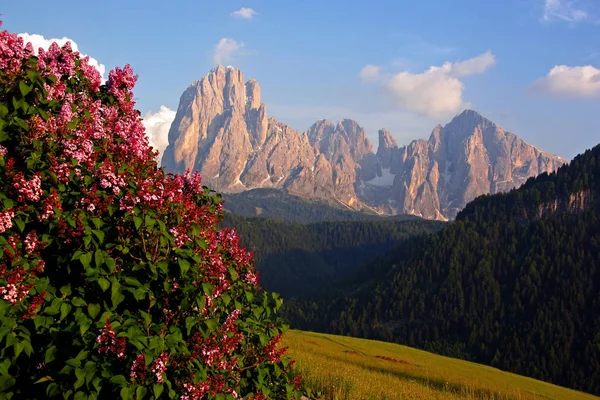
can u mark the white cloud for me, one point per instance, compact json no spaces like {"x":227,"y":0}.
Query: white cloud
{"x":563,"y":10}
{"x":38,"y":41}
{"x":225,"y":50}
{"x":245,"y":13}
{"x":573,"y":82}
{"x":370,"y":72}
{"x":438,"y":91}
{"x":475,"y":65}
{"x":157,"y":128}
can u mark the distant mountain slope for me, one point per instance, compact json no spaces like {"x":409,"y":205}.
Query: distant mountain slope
{"x":514,"y":282}
{"x":468,"y":157}
{"x":297,"y":260}
{"x":279,"y":205}
{"x":222,"y":130}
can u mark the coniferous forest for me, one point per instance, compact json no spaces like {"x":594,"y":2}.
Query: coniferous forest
{"x":298,"y":260}
{"x":514,"y":282}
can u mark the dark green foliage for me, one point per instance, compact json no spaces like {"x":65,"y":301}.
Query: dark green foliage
{"x":298,"y":260}
{"x":514,"y":283}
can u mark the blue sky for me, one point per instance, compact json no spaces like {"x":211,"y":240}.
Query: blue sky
{"x":531,"y":66}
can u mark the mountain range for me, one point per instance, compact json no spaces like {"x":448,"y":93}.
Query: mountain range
{"x":222,"y":130}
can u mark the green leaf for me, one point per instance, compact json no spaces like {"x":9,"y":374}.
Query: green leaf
{"x":93,"y":309}
{"x":126,"y":393}
{"x":18,"y":348}
{"x":97,"y":222}
{"x":99,"y":235}
{"x":140,"y":392}
{"x":52,"y":390}
{"x":73,"y":123}
{"x":184,"y":265}
{"x":233,"y":273}
{"x":54,"y":307}
{"x":73,"y":362}
{"x":104,"y":284}
{"x":137,"y":221}
{"x":50,"y":354}
{"x":119,"y":380}
{"x":82,"y":355}
{"x":226,"y":298}
{"x":116,"y":296}
{"x":80,"y":374}
{"x":78,"y":302}
{"x":110,"y":263}
{"x":149,"y":221}
{"x":65,"y":308}
{"x":189,"y":324}
{"x":86,"y":259}
{"x":84,"y":324}
{"x":207,"y":288}
{"x":158,"y":389}
{"x":20,"y":224}
{"x":24,"y":88}
{"x":80,"y":396}
{"x":147,"y":318}
{"x":6,"y":381}
{"x":99,"y":257}
{"x":211,"y":324}
{"x":44,"y":379}
{"x":66,"y":290}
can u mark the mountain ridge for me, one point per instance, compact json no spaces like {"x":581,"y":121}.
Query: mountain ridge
{"x":222,"y":130}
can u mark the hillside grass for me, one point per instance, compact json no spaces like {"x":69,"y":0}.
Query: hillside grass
{"x":339,"y":367}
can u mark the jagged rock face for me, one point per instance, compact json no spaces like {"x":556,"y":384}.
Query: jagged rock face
{"x":222,"y":130}
{"x":468,"y":157}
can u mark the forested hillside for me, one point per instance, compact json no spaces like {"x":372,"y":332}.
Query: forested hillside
{"x":297,"y":260}
{"x":514,"y":282}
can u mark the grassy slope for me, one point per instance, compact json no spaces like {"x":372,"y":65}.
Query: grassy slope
{"x":348,"y":368}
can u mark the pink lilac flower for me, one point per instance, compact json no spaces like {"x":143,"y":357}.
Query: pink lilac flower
{"x":6,"y":219}
{"x":50,"y":204}
{"x":109,"y":342}
{"x":138,"y":369}
{"x":28,"y":189}
{"x":159,"y":366}
{"x":251,"y":278}
{"x":14,"y":293}
{"x":31,"y":242}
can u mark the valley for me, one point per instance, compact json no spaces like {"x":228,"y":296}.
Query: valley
{"x":407,"y":206}
{"x":512,"y":283}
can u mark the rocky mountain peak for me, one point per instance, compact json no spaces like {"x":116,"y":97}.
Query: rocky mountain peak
{"x":469,"y":122}
{"x":387,"y":149}
{"x":323,"y":128}
{"x":252,"y":94}
{"x":360,"y":145}
{"x":222,"y":130}
{"x":386,"y":141}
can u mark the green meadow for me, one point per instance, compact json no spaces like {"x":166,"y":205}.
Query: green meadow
{"x":339,"y":367}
